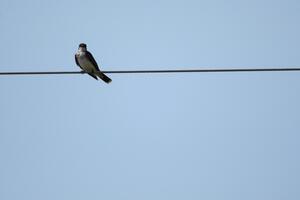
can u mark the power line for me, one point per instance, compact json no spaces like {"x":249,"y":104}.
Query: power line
{"x":41,"y":73}
{"x":210,"y":70}
{"x":199,"y":70}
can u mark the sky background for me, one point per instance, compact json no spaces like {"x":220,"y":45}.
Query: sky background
{"x":153,"y":136}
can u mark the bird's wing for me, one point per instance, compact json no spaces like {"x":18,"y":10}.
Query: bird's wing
{"x":91,"y":58}
{"x":77,"y":63}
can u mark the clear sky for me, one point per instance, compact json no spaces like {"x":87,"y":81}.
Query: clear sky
{"x":174,"y":136}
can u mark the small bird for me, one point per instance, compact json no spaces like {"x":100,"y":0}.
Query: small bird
{"x":85,"y":60}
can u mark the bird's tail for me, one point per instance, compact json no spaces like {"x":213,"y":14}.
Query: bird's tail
{"x":105,"y":78}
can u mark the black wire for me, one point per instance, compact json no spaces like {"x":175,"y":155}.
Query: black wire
{"x":201,"y":70}
{"x":41,"y":73}
{"x":161,"y":71}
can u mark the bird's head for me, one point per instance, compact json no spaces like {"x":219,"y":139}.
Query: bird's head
{"x":82,"y":47}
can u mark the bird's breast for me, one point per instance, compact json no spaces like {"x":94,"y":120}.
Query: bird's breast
{"x":84,"y":62}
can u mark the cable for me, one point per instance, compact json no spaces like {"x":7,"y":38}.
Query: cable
{"x":210,"y":70}
{"x":41,"y":73}
{"x":201,"y":70}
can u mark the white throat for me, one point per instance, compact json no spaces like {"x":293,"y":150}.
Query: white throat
{"x":81,"y":49}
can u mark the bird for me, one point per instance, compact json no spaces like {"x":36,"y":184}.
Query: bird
{"x":85,"y":60}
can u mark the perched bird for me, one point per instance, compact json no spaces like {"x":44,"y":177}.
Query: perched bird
{"x":85,"y":60}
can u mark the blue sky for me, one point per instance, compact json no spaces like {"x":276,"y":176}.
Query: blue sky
{"x":176,"y":136}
